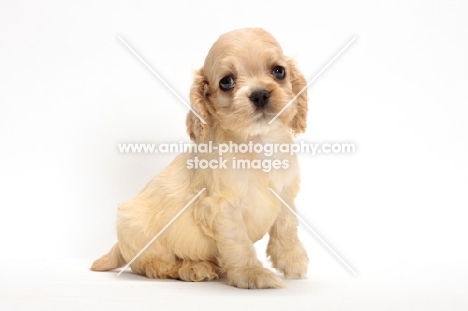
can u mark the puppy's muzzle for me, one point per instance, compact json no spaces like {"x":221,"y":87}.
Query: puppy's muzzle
{"x":260,"y":98}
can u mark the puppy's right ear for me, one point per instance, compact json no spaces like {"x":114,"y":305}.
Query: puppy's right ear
{"x":197,"y":127}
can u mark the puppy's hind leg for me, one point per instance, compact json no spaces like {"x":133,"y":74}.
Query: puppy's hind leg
{"x":197,"y":271}
{"x":169,"y":266}
{"x":162,"y":267}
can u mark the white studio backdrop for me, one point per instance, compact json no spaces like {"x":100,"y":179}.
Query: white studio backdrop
{"x":71,"y":91}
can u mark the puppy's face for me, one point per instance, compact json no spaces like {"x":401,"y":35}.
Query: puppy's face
{"x":245,"y":82}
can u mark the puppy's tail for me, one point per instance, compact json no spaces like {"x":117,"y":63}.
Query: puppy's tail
{"x":109,"y":261}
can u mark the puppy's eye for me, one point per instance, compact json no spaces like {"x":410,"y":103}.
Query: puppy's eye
{"x":226,"y":83}
{"x":279,"y":72}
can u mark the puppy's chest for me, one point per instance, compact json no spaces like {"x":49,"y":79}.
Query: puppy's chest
{"x":272,"y":170}
{"x":256,"y":183}
{"x":249,"y":177}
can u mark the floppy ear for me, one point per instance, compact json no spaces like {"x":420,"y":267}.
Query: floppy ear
{"x":196,"y":128}
{"x":298,"y":123}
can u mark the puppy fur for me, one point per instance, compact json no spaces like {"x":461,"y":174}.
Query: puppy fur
{"x":214,"y":237}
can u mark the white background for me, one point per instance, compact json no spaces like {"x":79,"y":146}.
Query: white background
{"x":395,"y":210}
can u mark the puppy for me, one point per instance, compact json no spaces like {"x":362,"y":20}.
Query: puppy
{"x":245,"y":81}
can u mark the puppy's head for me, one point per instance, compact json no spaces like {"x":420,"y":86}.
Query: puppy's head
{"x":245,"y":82}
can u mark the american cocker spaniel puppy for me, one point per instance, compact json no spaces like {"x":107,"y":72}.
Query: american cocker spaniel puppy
{"x":244,"y":83}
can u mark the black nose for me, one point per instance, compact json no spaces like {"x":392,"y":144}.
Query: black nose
{"x":260,"y":98}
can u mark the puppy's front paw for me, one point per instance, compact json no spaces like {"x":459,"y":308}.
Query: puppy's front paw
{"x":251,"y":278}
{"x":292,"y":263}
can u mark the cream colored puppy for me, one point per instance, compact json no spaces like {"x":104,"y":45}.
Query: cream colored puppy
{"x":245,"y":81}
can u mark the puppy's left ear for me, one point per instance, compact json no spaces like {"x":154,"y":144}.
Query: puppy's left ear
{"x":299,"y":122}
